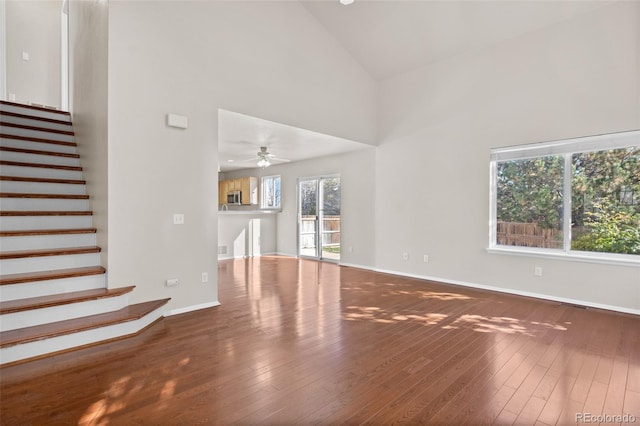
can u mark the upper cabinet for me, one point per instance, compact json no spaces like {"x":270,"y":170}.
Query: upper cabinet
{"x":248,"y":186}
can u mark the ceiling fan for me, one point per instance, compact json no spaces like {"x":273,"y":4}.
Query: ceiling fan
{"x":265,"y":158}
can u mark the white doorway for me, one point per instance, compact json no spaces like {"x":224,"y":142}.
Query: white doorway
{"x":319,"y":218}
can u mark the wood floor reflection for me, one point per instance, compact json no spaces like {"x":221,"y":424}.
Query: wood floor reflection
{"x":302,"y":342}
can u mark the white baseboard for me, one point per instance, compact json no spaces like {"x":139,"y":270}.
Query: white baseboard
{"x":512,"y":291}
{"x":191,"y":308}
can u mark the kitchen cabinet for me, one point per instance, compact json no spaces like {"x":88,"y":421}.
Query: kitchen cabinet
{"x":223,"y":188}
{"x":247,"y":185}
{"x":249,"y":188}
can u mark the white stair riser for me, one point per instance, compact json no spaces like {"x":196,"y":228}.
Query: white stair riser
{"x":40,"y":134}
{"x":39,"y":172}
{"x":39,"y":159}
{"x":43,"y":204}
{"x":42,"y":187}
{"x":63,"y":312}
{"x":48,"y":263}
{"x":34,"y":112}
{"x":49,"y":287}
{"x":37,"y":242}
{"x":55,"y":344}
{"x":36,"y":123}
{"x":21,"y":223}
{"x":38,"y":146}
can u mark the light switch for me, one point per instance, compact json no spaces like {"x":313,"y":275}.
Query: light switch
{"x":25,"y":56}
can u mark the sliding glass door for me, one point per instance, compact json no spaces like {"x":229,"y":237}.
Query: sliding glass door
{"x":319,"y":218}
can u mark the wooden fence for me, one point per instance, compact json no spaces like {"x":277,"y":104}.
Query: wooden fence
{"x":527,"y":235}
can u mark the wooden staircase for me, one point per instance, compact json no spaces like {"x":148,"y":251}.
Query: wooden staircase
{"x":53,"y":291}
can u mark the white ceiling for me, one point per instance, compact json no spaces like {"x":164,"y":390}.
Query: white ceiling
{"x":390,"y":37}
{"x":241,"y":136}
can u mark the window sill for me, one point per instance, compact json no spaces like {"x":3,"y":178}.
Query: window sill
{"x":607,"y":259}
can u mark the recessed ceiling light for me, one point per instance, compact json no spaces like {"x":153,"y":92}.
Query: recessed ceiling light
{"x":346,"y":2}
{"x":230,"y":161}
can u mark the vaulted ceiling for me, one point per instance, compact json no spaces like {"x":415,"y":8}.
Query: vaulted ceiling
{"x":388,"y":38}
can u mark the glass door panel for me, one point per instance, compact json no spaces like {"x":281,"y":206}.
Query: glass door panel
{"x":319,"y":228}
{"x":330,"y":215}
{"x":308,"y":223}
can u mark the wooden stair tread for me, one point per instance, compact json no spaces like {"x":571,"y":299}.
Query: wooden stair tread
{"x":32,"y":303}
{"x":67,"y":251}
{"x":34,"y":117}
{"x":41,"y":166}
{"x":16,"y":104}
{"x":60,"y":328}
{"x":27,"y":277}
{"x":43,"y":180}
{"x":56,"y":196}
{"x":34,"y":232}
{"x":38,"y":152}
{"x":41,"y":140}
{"x":36,"y":128}
{"x":45,"y":213}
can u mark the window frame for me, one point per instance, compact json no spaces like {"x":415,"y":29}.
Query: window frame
{"x":565,"y":148}
{"x":263,"y":192}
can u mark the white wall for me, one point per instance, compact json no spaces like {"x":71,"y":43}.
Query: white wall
{"x":357,"y":221}
{"x":269,"y":60}
{"x":33,"y":27}
{"x":88,"y":48}
{"x":247,"y":234}
{"x":438,"y":123}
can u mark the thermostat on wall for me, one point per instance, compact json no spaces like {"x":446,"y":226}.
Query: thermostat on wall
{"x":179,"y":121}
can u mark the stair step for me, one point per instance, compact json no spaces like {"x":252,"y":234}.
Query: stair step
{"x":63,"y":202}
{"x":45,"y":239}
{"x":40,"y":165}
{"x":23,"y":134}
{"x":60,"y":299}
{"x":22,"y":254}
{"x":60,"y":328}
{"x":45,"y":213}
{"x":25,"y":223}
{"x":39,"y":152}
{"x":43,"y":180}
{"x":50,"y":275}
{"x":34,"y":111}
{"x":23,"y":284}
{"x":32,"y":232}
{"x":30,"y":120}
{"x":52,"y":196}
{"x":35,"y":128}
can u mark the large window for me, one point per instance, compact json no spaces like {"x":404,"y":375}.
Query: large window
{"x":270,"y":190}
{"x":579,"y":197}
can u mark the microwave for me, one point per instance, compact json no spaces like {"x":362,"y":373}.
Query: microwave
{"x":234,"y":197}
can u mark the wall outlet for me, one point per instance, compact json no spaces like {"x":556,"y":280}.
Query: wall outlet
{"x":405,"y":256}
{"x":205,"y":277}
{"x":425,"y":258}
{"x":178,"y":219}
{"x":172,"y":282}
{"x":537,"y":271}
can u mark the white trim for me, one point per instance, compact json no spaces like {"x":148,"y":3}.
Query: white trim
{"x":191,"y":308}
{"x":64,"y":56}
{"x":515,"y":292}
{"x":3,"y":51}
{"x":355,"y":265}
{"x":616,"y":140}
{"x":558,"y":254}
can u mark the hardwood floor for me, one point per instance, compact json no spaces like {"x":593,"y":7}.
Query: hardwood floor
{"x":302,"y":342}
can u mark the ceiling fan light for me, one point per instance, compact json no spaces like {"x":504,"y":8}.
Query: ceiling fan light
{"x":263,"y":163}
